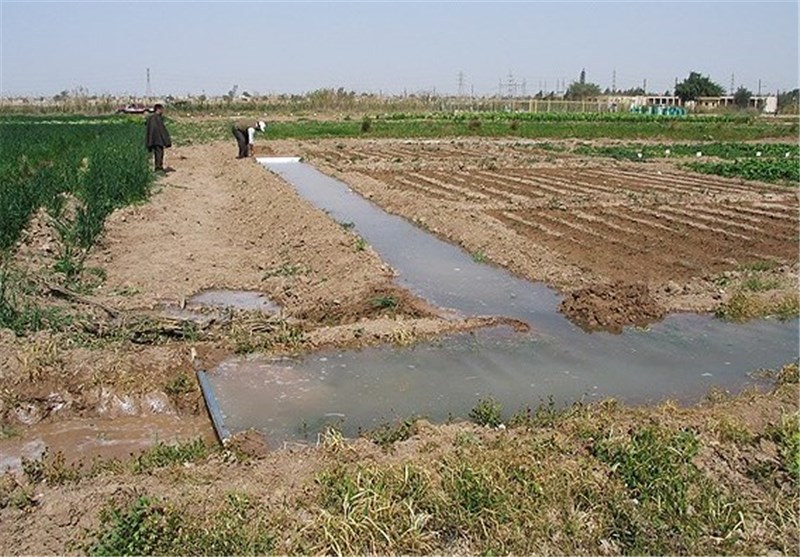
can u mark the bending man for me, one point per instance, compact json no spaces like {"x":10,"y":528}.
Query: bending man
{"x":244,"y":131}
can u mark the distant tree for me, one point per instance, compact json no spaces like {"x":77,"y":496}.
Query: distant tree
{"x":741,"y":98}
{"x":633,"y":92}
{"x":696,"y":86}
{"x":229,"y":96}
{"x":62,"y":96}
{"x":789,"y":102}
{"x":579,"y":90}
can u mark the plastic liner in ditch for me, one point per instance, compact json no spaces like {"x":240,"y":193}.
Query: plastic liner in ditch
{"x":293,"y":399}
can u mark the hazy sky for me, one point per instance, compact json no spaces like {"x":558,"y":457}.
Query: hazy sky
{"x":281,"y":47}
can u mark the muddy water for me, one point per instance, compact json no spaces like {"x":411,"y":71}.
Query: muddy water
{"x":679,"y":358}
{"x":84,"y":439}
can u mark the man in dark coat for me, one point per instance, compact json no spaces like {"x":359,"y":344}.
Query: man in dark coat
{"x":157,"y":137}
{"x":244,"y":131}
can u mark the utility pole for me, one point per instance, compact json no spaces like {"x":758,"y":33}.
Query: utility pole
{"x":614,"y":81}
{"x":511,"y":86}
{"x":149,"y":92}
{"x":759,"y":87}
{"x":644,"y":85}
{"x":460,"y":84}
{"x":731,"y":84}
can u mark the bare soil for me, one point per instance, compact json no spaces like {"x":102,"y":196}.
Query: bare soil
{"x":579,"y":224}
{"x":624,"y":243}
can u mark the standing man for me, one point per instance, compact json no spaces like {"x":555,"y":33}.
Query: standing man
{"x":157,"y":137}
{"x":244,"y":131}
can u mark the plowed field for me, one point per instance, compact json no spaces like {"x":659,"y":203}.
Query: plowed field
{"x":581,"y":224}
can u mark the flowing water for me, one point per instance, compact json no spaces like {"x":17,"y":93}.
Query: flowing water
{"x":86,"y":439}
{"x":679,"y":358}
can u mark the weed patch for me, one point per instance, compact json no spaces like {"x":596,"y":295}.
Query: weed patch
{"x":388,"y":434}
{"x":746,"y":305}
{"x":674,"y":507}
{"x":150,"y":526}
{"x":162,"y":455}
{"x":487,"y":412}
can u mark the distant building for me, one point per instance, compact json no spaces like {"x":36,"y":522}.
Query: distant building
{"x":768,"y":104}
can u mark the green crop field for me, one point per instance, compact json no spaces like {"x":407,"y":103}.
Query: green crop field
{"x":768,"y":162}
{"x":79,"y":169}
{"x":556,"y":125}
{"x":100,"y":162}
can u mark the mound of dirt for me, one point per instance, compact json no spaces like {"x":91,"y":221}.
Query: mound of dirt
{"x":609,"y":307}
{"x":386,"y":300}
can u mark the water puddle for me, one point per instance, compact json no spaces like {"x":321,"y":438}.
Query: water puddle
{"x":679,"y":358}
{"x":234,"y":299}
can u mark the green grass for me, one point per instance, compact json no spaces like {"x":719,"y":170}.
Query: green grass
{"x":180,"y":385}
{"x":388,"y":434}
{"x":782,"y":171}
{"x":487,"y":412}
{"x":479,"y":257}
{"x":722,"y":150}
{"x":747,"y":304}
{"x":767,"y":162}
{"x":162,"y":454}
{"x":19,"y":312}
{"x":671,"y":495}
{"x":149,"y":526}
{"x":384,"y":302}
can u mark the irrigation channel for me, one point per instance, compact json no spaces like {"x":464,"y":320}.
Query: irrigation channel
{"x":292,"y":399}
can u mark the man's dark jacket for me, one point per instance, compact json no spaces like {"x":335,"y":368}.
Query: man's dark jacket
{"x":157,"y":134}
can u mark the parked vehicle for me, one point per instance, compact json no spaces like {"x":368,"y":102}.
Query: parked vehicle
{"x":135,"y":108}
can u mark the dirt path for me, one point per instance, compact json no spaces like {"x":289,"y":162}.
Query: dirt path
{"x":223,"y":223}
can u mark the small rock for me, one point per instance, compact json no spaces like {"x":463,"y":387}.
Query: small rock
{"x":671,"y":288}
